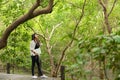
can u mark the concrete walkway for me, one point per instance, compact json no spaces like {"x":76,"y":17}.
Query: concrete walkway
{"x":4,"y":76}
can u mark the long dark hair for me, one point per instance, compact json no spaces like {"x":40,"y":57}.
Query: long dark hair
{"x":37,"y":43}
{"x":33,"y":36}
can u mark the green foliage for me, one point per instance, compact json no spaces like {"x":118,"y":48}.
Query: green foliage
{"x":90,"y":42}
{"x":102,"y":47}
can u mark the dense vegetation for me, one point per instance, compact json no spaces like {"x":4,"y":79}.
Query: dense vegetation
{"x":82,"y":35}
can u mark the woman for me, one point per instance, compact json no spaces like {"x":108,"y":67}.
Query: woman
{"x":35,"y":53}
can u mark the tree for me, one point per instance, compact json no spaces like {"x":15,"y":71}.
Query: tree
{"x":89,"y":49}
{"x":33,"y":12}
{"x":108,"y":28}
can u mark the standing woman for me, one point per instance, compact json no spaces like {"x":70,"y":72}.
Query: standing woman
{"x":35,"y":53}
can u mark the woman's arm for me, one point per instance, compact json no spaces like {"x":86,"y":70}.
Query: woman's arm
{"x":32,"y":47}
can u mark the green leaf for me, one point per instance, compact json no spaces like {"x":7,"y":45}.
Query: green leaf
{"x":117,"y":38}
{"x":96,"y":49}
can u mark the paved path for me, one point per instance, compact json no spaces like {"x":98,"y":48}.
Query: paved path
{"x":4,"y":76}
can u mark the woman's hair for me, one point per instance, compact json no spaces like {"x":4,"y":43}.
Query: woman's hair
{"x":33,"y":36}
{"x":38,"y":42}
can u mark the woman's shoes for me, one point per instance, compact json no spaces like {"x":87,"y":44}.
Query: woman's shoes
{"x":44,"y":76}
{"x":34,"y":77}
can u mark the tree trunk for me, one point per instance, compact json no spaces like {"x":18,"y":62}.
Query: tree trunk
{"x":101,"y":72}
{"x":104,"y":67}
{"x":51,"y":58}
{"x":109,"y":29}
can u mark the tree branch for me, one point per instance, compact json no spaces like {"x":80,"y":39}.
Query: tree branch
{"x":36,"y":5}
{"x":112,"y":8}
{"x":45,"y":10}
{"x":103,"y":5}
{"x":42,"y":36}
{"x":106,"y":21}
{"x":53,"y":29}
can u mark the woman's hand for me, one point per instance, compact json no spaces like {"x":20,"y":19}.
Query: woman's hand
{"x":34,"y":52}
